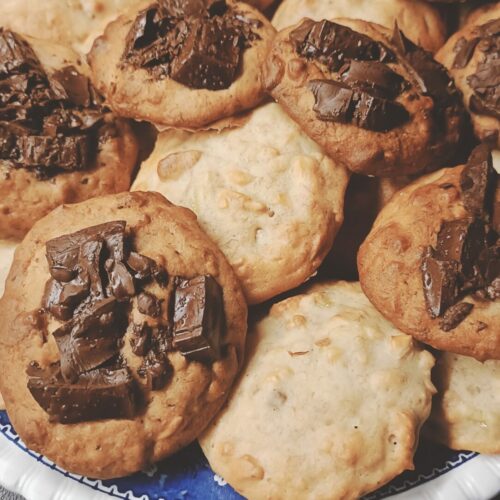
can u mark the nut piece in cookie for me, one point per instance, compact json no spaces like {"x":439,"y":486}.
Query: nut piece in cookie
{"x":122,"y":331}
{"x":421,"y":22}
{"x":466,"y":411}
{"x":183,"y":64}
{"x":472,"y":56}
{"x":58,"y":143}
{"x":329,"y":404}
{"x":372,"y":99}
{"x":263,"y":191}
{"x":431,"y":263}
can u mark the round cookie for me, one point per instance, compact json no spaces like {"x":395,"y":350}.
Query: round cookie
{"x":329,"y":404}
{"x":482,"y":14}
{"x":263,"y":191}
{"x":420,"y":21}
{"x":466,"y":411}
{"x":59,"y":144}
{"x":108,"y":387}
{"x":373,"y":100}
{"x":181,"y":65}
{"x":76,"y":23}
{"x":471,"y":56}
{"x":430,"y":263}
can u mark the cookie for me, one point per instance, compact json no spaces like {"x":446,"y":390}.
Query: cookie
{"x":7,"y":248}
{"x":482,"y":14}
{"x":123,"y":327}
{"x":72,"y":24}
{"x":329,"y":404}
{"x":466,"y":411}
{"x":472,"y":57}
{"x":59,"y":144}
{"x":431,"y":262}
{"x":420,"y":21}
{"x":264,"y":192}
{"x":372,"y":99}
{"x":183,"y":65}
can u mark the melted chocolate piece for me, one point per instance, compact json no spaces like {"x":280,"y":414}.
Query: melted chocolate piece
{"x":196,"y":43}
{"x":464,"y":51}
{"x":156,"y":369}
{"x":198,"y":318}
{"x":140,"y":340}
{"x":103,"y":393}
{"x":143,"y":267}
{"x":49,"y":123}
{"x":338,"y":102}
{"x":333,"y":44}
{"x":121,"y":282}
{"x":455,"y":315}
{"x":148,"y":304}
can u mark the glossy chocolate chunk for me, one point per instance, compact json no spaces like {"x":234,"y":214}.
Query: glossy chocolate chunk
{"x":464,"y":51}
{"x":61,"y":298}
{"x":187,"y":8}
{"x":198,"y":318}
{"x":333,"y":44}
{"x":478,"y":182}
{"x":103,"y":393}
{"x":121,"y":282}
{"x":71,"y":85}
{"x":455,"y":315}
{"x":335,"y":101}
{"x":156,"y":369}
{"x":142,"y":267}
{"x":140,"y":340}
{"x":15,"y":53}
{"x":148,"y":304}
{"x":440,"y":283}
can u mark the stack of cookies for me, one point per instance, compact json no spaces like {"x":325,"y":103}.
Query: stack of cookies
{"x":285,"y":244}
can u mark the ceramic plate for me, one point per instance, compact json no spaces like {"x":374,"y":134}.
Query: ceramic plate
{"x":439,"y":474}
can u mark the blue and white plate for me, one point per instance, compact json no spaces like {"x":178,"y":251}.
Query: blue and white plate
{"x":439,"y":474}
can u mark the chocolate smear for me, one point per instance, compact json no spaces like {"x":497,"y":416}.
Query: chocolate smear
{"x":140,"y":340}
{"x":455,"y":315}
{"x":464,"y":51}
{"x":198,"y":318}
{"x":156,"y":369}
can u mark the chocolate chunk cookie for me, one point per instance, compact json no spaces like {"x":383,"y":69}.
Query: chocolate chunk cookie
{"x":58,"y":143}
{"x":183,"y":64}
{"x":420,"y":21}
{"x":472,"y":56}
{"x":369,"y":96}
{"x":122,"y":329}
{"x":431,"y":263}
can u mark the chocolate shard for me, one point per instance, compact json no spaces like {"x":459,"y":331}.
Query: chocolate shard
{"x":156,"y":369}
{"x":148,"y":304}
{"x":335,"y":101}
{"x":373,"y":77}
{"x":187,"y":8}
{"x":140,"y":340}
{"x":333,"y":44}
{"x":198,"y":318}
{"x":61,"y":298}
{"x":15,"y":53}
{"x":440,"y":283}
{"x":104,"y":393}
{"x":121,"y":283}
{"x":71,"y":85}
{"x":464,"y":51}
{"x":455,"y":315}
{"x":141,"y":266}
{"x":478,"y":182}
{"x":162,"y":339}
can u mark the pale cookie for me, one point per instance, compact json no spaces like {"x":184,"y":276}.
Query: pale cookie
{"x":480,"y":15}
{"x":329,"y":405}
{"x":368,"y":95}
{"x":420,"y":21}
{"x":466,"y":411}
{"x":128,"y":361}
{"x":59,"y":143}
{"x":264,"y":192}
{"x":472,"y":57}
{"x":182,"y":65}
{"x":7,"y":248}
{"x":431,"y":262}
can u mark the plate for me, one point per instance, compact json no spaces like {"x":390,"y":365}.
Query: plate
{"x":439,"y":474}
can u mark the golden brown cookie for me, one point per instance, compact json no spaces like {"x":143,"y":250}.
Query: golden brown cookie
{"x":7,"y":248}
{"x":480,"y":15}
{"x":472,"y":57}
{"x":431,"y":262}
{"x":59,"y":144}
{"x":329,"y":404}
{"x":183,"y":66}
{"x":466,"y":410}
{"x":264,"y":192}
{"x":129,"y":360}
{"x":420,"y":21}
{"x":372,"y":99}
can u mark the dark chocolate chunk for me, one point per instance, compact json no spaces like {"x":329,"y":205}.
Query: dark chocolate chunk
{"x":198,"y":318}
{"x":140,"y":340}
{"x":71,"y":85}
{"x":15,"y":53}
{"x":103,"y":393}
{"x":156,"y":369}
{"x":478,"y":182}
{"x":162,"y":339}
{"x":61,"y":298}
{"x":121,"y":283}
{"x":440,"y":283}
{"x":335,"y":101}
{"x":455,"y":315}
{"x":141,"y":266}
{"x":148,"y":304}
{"x":464,"y":51}
{"x":333,"y":44}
